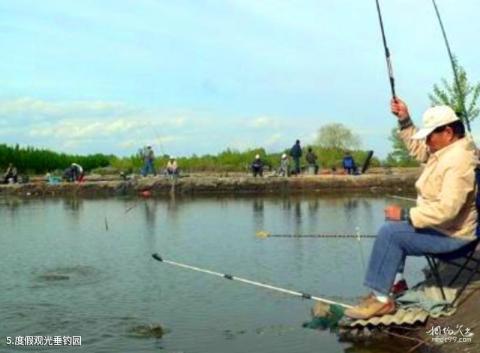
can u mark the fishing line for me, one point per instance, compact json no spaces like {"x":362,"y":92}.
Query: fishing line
{"x":158,"y":138}
{"x":402,"y":198}
{"x":114,"y":220}
{"x":362,"y":258}
{"x":265,"y":234}
{"x":464,"y":113}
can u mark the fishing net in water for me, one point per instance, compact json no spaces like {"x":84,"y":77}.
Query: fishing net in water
{"x":325,"y":316}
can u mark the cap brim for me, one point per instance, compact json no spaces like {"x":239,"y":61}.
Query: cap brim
{"x":422,"y":133}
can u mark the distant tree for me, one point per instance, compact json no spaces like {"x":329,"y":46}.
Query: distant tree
{"x":399,"y":157}
{"x":448,"y":93}
{"x":337,"y":136}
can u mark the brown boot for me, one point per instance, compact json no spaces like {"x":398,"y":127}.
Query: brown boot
{"x":370,"y":307}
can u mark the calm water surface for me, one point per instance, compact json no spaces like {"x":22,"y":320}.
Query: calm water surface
{"x":84,"y":268}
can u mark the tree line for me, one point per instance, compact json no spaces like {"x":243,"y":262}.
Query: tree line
{"x":31,"y":160}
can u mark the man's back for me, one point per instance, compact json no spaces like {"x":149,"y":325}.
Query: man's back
{"x":311,"y":157}
{"x":296,"y":150}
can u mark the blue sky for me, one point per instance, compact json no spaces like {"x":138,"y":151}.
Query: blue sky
{"x":201,"y":76}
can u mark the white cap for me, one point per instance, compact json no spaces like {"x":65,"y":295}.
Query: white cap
{"x":284,"y":155}
{"x":434,"y":117}
{"x":257,"y":156}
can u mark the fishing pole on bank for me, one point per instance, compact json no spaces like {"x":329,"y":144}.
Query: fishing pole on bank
{"x":464,"y":113}
{"x":243,"y":280}
{"x":387,"y":52}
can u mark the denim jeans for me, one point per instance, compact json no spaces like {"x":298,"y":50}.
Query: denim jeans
{"x":395,"y":241}
{"x":148,"y":168}
{"x":296,"y":161}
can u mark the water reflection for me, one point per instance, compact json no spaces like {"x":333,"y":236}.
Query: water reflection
{"x":173,"y":212}
{"x":298,"y":212}
{"x":313,"y":213}
{"x":349,"y":206}
{"x":150,"y":208}
{"x":72,"y":204}
{"x":11,"y":205}
{"x":258,"y":213}
{"x":172,"y":203}
{"x":313,"y":206}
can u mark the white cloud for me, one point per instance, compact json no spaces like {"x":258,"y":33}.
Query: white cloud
{"x":41,"y":108}
{"x":273,"y":140}
{"x":106,"y":127}
{"x":100,"y":126}
{"x":263,"y":122}
{"x":159,"y":141}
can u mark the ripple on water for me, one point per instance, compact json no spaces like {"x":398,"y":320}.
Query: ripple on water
{"x":67,"y":276}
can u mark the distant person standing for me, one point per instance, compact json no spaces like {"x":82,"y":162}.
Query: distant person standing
{"x":296,"y":153}
{"x":311,"y":158}
{"x":257,"y":166}
{"x":148,"y":159}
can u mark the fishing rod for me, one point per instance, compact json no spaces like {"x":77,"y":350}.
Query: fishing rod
{"x":464,"y":113}
{"x":158,"y":138}
{"x":387,"y":53}
{"x":402,"y":198}
{"x":258,"y":284}
{"x":265,"y":234}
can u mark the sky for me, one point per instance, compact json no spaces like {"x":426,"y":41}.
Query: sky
{"x":200,"y":76}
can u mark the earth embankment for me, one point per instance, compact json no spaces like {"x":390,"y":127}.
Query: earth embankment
{"x":201,"y":184}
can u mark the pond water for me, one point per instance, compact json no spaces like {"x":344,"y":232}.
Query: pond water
{"x":74,"y":267}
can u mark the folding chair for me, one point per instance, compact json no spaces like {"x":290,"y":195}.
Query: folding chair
{"x":460,"y":258}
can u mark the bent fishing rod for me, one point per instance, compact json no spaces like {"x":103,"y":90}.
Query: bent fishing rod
{"x":387,"y":53}
{"x":258,"y":284}
{"x":454,"y":68}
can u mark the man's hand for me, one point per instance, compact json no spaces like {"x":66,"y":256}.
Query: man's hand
{"x":399,"y":109}
{"x":393,"y":213}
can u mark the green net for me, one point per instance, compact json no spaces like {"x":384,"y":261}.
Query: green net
{"x":325,"y":317}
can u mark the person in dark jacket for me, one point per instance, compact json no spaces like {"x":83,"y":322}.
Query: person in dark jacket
{"x":311,"y":158}
{"x":296,"y":153}
{"x":257,"y":166}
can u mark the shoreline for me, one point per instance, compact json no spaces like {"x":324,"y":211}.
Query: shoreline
{"x":209,"y":184}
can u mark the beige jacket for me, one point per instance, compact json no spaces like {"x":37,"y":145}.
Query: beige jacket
{"x":446,"y":187}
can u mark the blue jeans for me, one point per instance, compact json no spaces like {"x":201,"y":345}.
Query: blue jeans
{"x":296,"y":161}
{"x":148,"y":168}
{"x":395,"y":241}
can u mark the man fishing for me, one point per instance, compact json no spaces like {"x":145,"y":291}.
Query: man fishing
{"x":444,"y":218}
